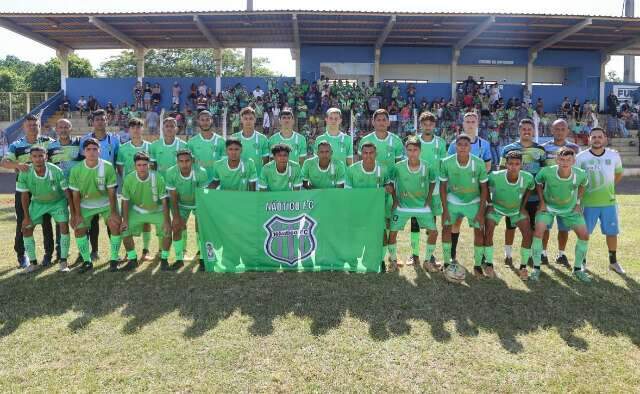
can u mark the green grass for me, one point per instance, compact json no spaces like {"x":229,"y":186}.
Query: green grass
{"x":322,"y":332}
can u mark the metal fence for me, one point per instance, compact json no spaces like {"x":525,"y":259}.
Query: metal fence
{"x":14,"y":105}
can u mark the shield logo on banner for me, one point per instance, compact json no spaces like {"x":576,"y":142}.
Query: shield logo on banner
{"x":290,"y":240}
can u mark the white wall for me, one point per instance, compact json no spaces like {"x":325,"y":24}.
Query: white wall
{"x":440,"y":73}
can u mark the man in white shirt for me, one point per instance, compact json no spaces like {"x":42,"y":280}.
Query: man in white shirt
{"x":258,"y":92}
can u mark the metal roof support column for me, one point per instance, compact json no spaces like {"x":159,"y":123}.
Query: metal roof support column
{"x":376,"y":66}
{"x":453,"y":71}
{"x":63,"y":57}
{"x":529,"y":72}
{"x":604,"y":59}
{"x":295,"y":55}
{"x":217,"y":58}
{"x":140,"y":52}
{"x":248,"y":61}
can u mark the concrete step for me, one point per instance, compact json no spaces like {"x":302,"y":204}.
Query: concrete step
{"x":631,"y":171}
{"x":626,"y":150}
{"x":622,"y":141}
{"x":631,"y":161}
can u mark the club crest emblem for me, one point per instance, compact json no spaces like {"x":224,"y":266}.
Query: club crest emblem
{"x":290,"y":240}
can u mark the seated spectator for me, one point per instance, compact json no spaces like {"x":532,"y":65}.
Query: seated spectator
{"x":81,"y":105}
{"x":257,"y":92}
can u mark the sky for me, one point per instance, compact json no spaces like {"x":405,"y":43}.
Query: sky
{"x":280,"y":59}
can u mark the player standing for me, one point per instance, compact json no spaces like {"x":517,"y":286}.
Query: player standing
{"x":207,"y":147}
{"x":232,"y":172}
{"x":341,"y":143}
{"x":255,"y":145}
{"x":296,"y":141}
{"x":163,"y":150}
{"x":322,"y":171}
{"x":281,"y":174}
{"x":389,"y":148}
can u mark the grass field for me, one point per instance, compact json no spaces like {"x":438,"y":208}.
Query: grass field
{"x":406,"y":332}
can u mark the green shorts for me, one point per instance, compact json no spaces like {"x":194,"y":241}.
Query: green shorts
{"x":137,"y":220}
{"x":436,"y":205}
{"x":89,"y":213}
{"x":399,"y":219}
{"x":496,"y":217}
{"x":58,"y":210}
{"x":185,"y":213}
{"x":571,"y":219}
{"x":463,"y":211}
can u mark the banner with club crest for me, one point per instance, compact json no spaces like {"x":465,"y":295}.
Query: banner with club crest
{"x":315,"y":230}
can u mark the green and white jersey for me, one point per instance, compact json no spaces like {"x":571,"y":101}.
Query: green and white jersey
{"x":601,"y":171}
{"x":186,"y":187}
{"x":272,"y":180}
{"x":341,"y":146}
{"x":358,"y":178}
{"x":412,"y":186}
{"x":48,"y":188}
{"x":92,"y":183}
{"x":126,"y":153}
{"x":432,"y":153}
{"x":144,"y":195}
{"x":296,"y":142}
{"x":238,"y":178}
{"x":507,"y":196}
{"x":165,"y":155}
{"x":561,"y":194}
{"x":388,"y":150}
{"x":255,"y":148}
{"x":463,"y":183}
{"x":206,"y":151}
{"x":328,"y":178}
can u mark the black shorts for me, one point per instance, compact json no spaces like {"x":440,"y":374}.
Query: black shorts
{"x":532,"y":208}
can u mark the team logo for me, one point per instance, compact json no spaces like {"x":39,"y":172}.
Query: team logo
{"x":211,"y":253}
{"x":290,"y":240}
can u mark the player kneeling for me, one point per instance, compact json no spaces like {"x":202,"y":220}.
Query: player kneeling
{"x":560,"y":189}
{"x":510,"y":190}
{"x":414,"y":183}
{"x":144,"y":201}
{"x":49,"y":195}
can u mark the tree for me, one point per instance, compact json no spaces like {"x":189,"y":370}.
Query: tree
{"x":612,"y":76}
{"x":46,"y":77}
{"x":13,"y":72}
{"x":9,"y":81}
{"x":182,"y":63}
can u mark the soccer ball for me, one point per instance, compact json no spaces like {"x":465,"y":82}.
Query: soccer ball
{"x":454,"y":273}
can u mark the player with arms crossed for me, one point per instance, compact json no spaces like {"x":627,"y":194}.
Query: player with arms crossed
{"x":281,"y":174}
{"x":463,"y":188}
{"x":414,"y":183}
{"x":560,"y":189}
{"x":255,"y":146}
{"x":322,"y":171}
{"x":44,"y":191}
{"x":145,"y":201}
{"x":604,"y":169}
{"x":296,"y":141}
{"x":93,"y":186}
{"x":341,"y":143}
{"x":182,"y":181}
{"x":510,"y":191}
{"x":369,"y":174}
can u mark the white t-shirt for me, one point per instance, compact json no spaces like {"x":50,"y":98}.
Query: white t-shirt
{"x":258,"y":93}
{"x":602,"y":170}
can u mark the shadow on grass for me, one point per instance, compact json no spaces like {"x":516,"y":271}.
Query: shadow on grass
{"x":387,"y":303}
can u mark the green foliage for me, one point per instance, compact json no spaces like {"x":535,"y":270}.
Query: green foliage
{"x":19,"y":75}
{"x":612,"y":76}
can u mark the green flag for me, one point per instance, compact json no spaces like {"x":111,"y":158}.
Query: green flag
{"x":315,"y":230}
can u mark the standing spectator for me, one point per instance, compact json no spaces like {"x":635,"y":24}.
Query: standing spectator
{"x":202,"y":88}
{"x":193,"y":94}
{"x":156,"y":94}
{"x":146,"y":96}
{"x":137,"y":94}
{"x":494,"y":93}
{"x":176,"y":91}
{"x":152,"y":122}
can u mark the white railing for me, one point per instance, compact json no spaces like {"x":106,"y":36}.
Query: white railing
{"x":13,"y":105}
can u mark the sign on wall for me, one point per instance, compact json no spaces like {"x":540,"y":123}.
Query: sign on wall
{"x":625,"y":92}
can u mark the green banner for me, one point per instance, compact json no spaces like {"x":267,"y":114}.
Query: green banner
{"x":316,"y":230}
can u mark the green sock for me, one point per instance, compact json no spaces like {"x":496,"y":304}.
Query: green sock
{"x":132,"y":255}
{"x":429,"y":252}
{"x":446,"y":252}
{"x":393,"y":252}
{"x":184,"y":239}
{"x":536,"y":251}
{"x":164,"y":254}
{"x":83,"y":248}
{"x":115,"y":246}
{"x":581,"y":252}
{"x":524,"y":256}
{"x":384,"y":252}
{"x":488,"y":254}
{"x":146,"y":239}
{"x":30,"y":247}
{"x":415,"y":244}
{"x":65,"y":241}
{"x":478,"y":251}
{"x":178,"y":246}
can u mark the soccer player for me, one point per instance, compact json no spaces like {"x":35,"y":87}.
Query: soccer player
{"x":389,"y":148}
{"x":433,"y":150}
{"x":560,"y":131}
{"x":369,"y":174}
{"x":533,"y":159}
{"x":144,"y":201}
{"x":463,"y":189}
{"x":232,"y":172}
{"x":509,"y":195}
{"x":207,"y":147}
{"x":281,"y":174}
{"x":182,"y":181}
{"x":322,"y":171}
{"x":44,"y":191}
{"x":93,"y":185}
{"x":17,"y":159}
{"x":341,"y":143}
{"x":414,"y":183}
{"x":255,"y":145}
{"x":163,"y":150}
{"x":560,"y":189}
{"x":296,"y":141}
{"x":604,"y":169}
{"x":480,"y":148}
{"x":65,"y":151}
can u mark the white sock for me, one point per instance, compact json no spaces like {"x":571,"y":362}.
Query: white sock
{"x":507,"y":250}
{"x":544,"y":253}
{"x":561,"y":253}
